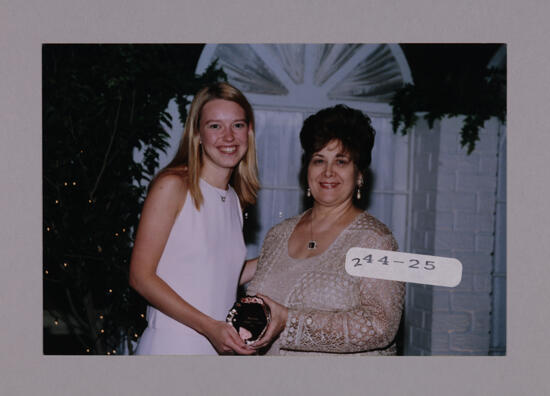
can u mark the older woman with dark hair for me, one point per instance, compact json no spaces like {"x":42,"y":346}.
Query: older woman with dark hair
{"x":316,"y":306}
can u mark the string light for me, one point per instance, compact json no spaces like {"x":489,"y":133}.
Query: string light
{"x":100,"y":316}
{"x":124,"y":230}
{"x":46,"y":272}
{"x":74,"y":183}
{"x":110,"y":290}
{"x":56,"y":201}
{"x":90,"y":201}
{"x":55,"y":322}
{"x":48,"y":229}
{"x":65,"y":265}
{"x":114,"y":351}
{"x":66,"y":184}
{"x":116,"y":234}
{"x":135,"y":335}
{"x":142,"y":315}
{"x":102,"y":331}
{"x":108,"y":353}
{"x":88,"y":350}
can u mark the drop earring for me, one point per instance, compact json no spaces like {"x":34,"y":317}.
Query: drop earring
{"x":308,"y":192}
{"x":359,"y":185}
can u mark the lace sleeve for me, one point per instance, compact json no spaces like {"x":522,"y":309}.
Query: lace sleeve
{"x":371,"y":325}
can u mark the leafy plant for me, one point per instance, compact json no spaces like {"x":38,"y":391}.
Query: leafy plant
{"x":478,"y":97}
{"x":100,"y":104}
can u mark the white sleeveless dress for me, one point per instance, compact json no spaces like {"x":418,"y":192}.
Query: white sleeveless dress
{"x":202,"y":261}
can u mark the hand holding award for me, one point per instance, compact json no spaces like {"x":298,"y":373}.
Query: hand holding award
{"x":250,"y":317}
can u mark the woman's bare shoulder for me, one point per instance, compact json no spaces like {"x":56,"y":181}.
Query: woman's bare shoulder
{"x":171,"y":181}
{"x":169,"y":188}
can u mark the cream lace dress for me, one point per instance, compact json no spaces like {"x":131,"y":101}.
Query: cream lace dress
{"x":330,"y":311}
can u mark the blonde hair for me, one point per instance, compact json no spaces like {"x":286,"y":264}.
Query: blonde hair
{"x":188,"y":159}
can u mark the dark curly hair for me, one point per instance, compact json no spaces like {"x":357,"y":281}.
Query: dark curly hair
{"x":350,"y":126}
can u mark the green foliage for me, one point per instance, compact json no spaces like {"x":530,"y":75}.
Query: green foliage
{"x":478,"y":98}
{"x":100,"y":104}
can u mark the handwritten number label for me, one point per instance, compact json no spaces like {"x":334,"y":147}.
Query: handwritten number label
{"x":429,"y":265}
{"x":405,"y":267}
{"x":367,"y":259}
{"x":384,"y":260}
{"x":415,"y":265}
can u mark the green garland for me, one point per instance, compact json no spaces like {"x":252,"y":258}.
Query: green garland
{"x":478,"y":98}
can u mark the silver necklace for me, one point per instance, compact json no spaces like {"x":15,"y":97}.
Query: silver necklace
{"x":223,"y":196}
{"x":312,"y":244}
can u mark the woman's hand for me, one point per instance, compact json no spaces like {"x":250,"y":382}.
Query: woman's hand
{"x":279,"y":316}
{"x":226,"y":340}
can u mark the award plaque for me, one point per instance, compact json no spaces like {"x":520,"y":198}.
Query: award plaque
{"x":250,"y":316}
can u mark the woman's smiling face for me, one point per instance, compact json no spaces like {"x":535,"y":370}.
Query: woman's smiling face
{"x":224,"y":134}
{"x":332,"y":175}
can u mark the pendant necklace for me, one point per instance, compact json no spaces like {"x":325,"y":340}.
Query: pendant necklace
{"x":223,"y":196}
{"x":312,"y":244}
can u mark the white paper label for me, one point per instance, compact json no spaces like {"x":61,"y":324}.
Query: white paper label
{"x":404,"y":267}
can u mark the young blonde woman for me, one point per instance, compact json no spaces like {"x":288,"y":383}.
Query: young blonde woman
{"x":189,"y":249}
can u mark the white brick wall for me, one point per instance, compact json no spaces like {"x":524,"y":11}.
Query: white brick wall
{"x":453,"y":207}
{"x":418,"y":314}
{"x":458,"y":321}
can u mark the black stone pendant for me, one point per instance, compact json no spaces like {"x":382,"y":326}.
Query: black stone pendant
{"x":311,"y":245}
